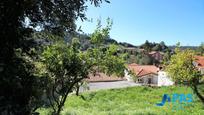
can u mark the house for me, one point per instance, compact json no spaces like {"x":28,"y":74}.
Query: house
{"x":163,"y":79}
{"x":102,"y":77}
{"x":148,"y":75}
{"x":156,"y":55}
{"x":130,"y":50}
{"x":199,"y":63}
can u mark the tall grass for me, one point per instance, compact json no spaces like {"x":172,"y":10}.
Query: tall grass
{"x":128,"y":101}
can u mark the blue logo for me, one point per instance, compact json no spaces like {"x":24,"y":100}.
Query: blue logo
{"x":176,"y":101}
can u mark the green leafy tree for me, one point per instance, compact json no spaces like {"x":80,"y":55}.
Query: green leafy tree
{"x":166,"y":57}
{"x":146,"y":46}
{"x":113,"y":63}
{"x":67,"y":66}
{"x":97,"y":39}
{"x":133,"y":75}
{"x":182,"y":70}
{"x":158,"y":47}
{"x":144,"y":59}
{"x":149,"y":46}
{"x":19,"y":18}
{"x":100,"y":34}
{"x":200,"y":49}
{"x":163,"y":46}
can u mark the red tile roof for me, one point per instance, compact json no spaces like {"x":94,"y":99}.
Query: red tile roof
{"x":141,"y":70}
{"x":99,"y":77}
{"x":153,"y":52}
{"x":133,"y":64}
{"x":200,"y":61}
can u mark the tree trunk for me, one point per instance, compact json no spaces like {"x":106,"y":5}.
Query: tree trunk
{"x":195,"y":89}
{"x":58,"y":110}
{"x":61,"y":104}
{"x":77,"y":90}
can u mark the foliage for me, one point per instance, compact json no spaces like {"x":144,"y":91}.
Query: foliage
{"x":133,"y":75}
{"x":46,"y":36}
{"x":124,"y":44}
{"x":182,"y":61}
{"x":146,"y":60}
{"x":19,"y":18}
{"x":143,"y":59}
{"x":200,"y":49}
{"x":85,"y":41}
{"x":181,"y":69}
{"x":113,"y":62}
{"x":100,"y":34}
{"x":148,"y":46}
{"x":67,"y":66}
{"x":167,"y":57}
{"x":128,"y":101}
{"x":21,"y":89}
{"x":105,"y":58}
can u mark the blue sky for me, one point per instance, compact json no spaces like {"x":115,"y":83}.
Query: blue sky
{"x":135,"y":21}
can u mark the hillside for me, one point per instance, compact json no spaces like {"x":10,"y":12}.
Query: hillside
{"x":85,"y":41}
{"x":184,"y":47}
{"x":135,"y":54}
{"x":129,"y":101}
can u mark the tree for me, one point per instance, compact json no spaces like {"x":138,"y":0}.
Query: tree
{"x":167,"y":57}
{"x":163,"y":46}
{"x":133,"y":75}
{"x":97,"y":39}
{"x":146,"y":60}
{"x":158,"y":47}
{"x":200,"y":49}
{"x":149,"y":46}
{"x":182,"y":70}
{"x":19,"y":18}
{"x":146,"y":46}
{"x":112,"y":62}
{"x":67,"y":66}
{"x":143,"y":59}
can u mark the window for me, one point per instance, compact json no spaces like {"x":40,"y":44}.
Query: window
{"x":139,"y":80}
{"x":149,"y":80}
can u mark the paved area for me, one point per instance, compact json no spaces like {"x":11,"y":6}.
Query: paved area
{"x":109,"y":85}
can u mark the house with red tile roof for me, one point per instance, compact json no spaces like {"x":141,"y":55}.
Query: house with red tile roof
{"x":199,"y":63}
{"x":147,"y":74}
{"x":142,"y":70}
{"x":156,"y":55}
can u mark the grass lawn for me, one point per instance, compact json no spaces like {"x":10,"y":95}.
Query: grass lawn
{"x":128,"y":101}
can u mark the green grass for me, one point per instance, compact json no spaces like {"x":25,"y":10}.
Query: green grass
{"x":128,"y":101}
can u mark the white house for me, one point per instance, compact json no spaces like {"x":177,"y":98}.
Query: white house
{"x":148,"y":75}
{"x":163,"y":79}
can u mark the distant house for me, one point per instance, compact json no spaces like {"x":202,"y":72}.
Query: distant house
{"x":148,"y":75}
{"x":199,"y":63}
{"x":101,"y":77}
{"x":156,"y":55}
{"x":130,"y":50}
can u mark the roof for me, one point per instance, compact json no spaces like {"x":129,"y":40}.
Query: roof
{"x":99,"y":77}
{"x":133,"y":64}
{"x":200,"y":61}
{"x":153,"y":52}
{"x":130,"y":48}
{"x":142,"y":70}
